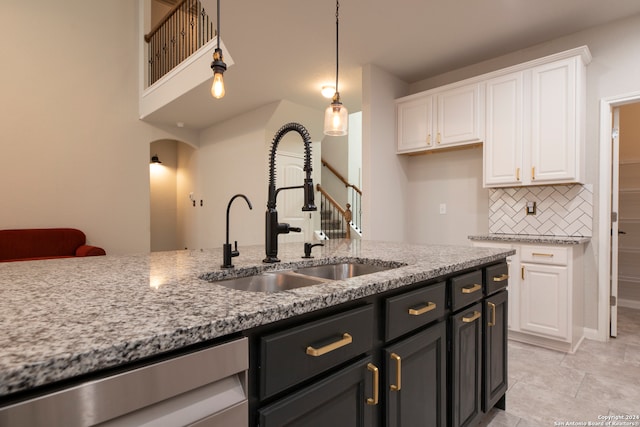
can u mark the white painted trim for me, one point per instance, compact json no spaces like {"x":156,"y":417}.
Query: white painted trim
{"x":592,"y":334}
{"x":604,"y":209}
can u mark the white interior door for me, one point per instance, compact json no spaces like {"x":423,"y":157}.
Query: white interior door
{"x":615,"y":184}
{"x":289,"y":203}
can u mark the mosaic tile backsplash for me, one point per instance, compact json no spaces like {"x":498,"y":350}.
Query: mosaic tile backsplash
{"x":562,"y":210}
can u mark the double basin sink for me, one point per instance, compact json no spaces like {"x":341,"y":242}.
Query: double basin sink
{"x":276,"y":281}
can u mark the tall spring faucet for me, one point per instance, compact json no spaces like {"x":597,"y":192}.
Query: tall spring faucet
{"x":227,"y":253}
{"x":273,"y":228}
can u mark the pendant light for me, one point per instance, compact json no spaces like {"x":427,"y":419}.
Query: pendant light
{"x":336,"y":116}
{"x":218,"y":66}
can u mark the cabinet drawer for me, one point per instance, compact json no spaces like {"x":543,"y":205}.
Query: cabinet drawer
{"x":496,"y":278}
{"x":299,"y":353}
{"x":411,"y":310}
{"x":555,"y":255}
{"x":466,"y":289}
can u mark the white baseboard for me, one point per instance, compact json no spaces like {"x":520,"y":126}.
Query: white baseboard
{"x":592,"y":334}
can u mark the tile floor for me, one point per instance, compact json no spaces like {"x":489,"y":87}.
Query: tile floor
{"x":547,"y":388}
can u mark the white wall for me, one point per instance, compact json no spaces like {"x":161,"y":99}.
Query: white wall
{"x":614,"y":71}
{"x":233,"y":159}
{"x":74,"y":153}
{"x":384,"y":182}
{"x":163,"y":190}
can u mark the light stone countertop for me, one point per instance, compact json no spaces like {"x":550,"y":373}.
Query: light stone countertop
{"x":532,"y":238}
{"x":66,"y":317}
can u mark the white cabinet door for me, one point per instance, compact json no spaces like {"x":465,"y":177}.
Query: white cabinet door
{"x":544,"y":300}
{"x":415,"y":124}
{"x":554,"y":114}
{"x":459,"y":116}
{"x":503,"y":145}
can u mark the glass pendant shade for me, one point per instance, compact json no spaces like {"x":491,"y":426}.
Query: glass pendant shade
{"x":336,"y":119}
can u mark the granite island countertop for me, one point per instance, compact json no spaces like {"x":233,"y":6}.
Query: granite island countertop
{"x":532,"y":238}
{"x":67,"y":317}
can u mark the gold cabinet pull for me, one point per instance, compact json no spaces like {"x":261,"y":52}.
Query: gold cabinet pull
{"x":542,"y":254}
{"x":398,"y":385}
{"x":471,"y":289}
{"x":492,"y":306}
{"x":374,"y":370}
{"x":517,"y":174}
{"x":345,"y":340}
{"x":422,"y":310}
{"x":439,"y":139}
{"x":500,"y":278}
{"x":522,"y":272}
{"x":533,"y":172}
{"x":473,"y":317}
{"x":429,"y":139}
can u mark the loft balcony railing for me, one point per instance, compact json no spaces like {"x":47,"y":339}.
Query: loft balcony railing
{"x":183,"y":30}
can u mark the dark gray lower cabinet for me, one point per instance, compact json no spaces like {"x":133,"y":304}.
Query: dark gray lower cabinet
{"x":340,"y":400}
{"x":466,"y":369}
{"x":415,"y":379}
{"x":495,"y":351}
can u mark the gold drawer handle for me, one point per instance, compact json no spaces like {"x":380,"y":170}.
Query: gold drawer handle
{"x":374,"y":369}
{"x":397,"y":386}
{"x":500,"y":278}
{"x":517,"y":174}
{"x":346,"y":339}
{"x":492,"y":306}
{"x":427,"y":308}
{"x":474,"y":316}
{"x":541,"y":254}
{"x":533,"y":173}
{"x":472,"y":289}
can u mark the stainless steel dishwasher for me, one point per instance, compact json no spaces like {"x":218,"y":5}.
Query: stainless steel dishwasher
{"x":207,"y":388}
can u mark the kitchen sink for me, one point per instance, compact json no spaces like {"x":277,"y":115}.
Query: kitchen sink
{"x":277,"y":281}
{"x":271,"y":282}
{"x":341,"y":271}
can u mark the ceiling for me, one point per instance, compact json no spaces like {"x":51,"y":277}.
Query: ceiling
{"x":285,"y":49}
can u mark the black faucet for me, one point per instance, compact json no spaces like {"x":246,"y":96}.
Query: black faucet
{"x":308,"y":247}
{"x":272,"y":227}
{"x":227,"y":253}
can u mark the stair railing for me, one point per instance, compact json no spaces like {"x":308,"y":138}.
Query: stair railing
{"x":329,"y":206}
{"x":354,"y":197}
{"x":182,"y":31}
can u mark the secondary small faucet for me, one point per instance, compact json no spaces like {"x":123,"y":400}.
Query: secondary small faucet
{"x":273,"y":228}
{"x":227,"y":253}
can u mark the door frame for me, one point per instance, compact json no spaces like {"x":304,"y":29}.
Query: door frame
{"x":604,"y":208}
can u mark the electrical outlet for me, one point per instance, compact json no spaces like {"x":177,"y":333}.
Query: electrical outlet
{"x":531,"y":208}
{"x":443,"y":208}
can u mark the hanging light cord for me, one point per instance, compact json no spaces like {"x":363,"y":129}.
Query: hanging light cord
{"x":337,"y":55}
{"x":218,"y":25}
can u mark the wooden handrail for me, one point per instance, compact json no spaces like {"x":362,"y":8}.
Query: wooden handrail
{"x":147,"y":37}
{"x":345,"y":213}
{"x":340,"y":177}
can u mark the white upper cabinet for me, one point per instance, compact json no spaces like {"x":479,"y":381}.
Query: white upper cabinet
{"x":535,"y":122}
{"x":440,"y":118}
{"x":530,"y":118}
{"x":504,"y":132}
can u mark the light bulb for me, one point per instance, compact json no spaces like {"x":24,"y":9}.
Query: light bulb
{"x":217,"y":88}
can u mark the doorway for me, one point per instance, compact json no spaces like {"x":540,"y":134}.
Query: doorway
{"x":609,"y":223}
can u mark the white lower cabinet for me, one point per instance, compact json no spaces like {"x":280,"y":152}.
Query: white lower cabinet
{"x":546,"y":295}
